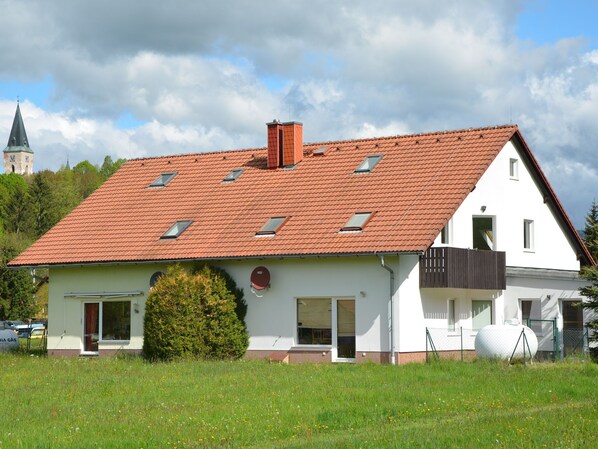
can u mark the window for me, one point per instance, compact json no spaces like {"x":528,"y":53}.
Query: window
{"x":451,"y":315}
{"x":483,"y":233}
{"x":330,"y":322}
{"x":357,"y":222}
{"x":176,"y":229}
{"x":369,"y":163}
{"x":233,"y":175}
{"x":106,"y":321}
{"x":321,"y":151}
{"x":526,"y":311}
{"x":314,"y":321}
{"x":116,"y":320}
{"x":163,"y":179}
{"x":445,"y":237}
{"x":154,"y":278}
{"x":481,"y":313}
{"x":513,"y":168}
{"x":528,"y":234}
{"x":272,"y":226}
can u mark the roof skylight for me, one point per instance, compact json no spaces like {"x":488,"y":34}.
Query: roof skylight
{"x":176,"y":229}
{"x":233,"y":175}
{"x":272,"y":226}
{"x":369,"y":163}
{"x":163,"y":179}
{"x":321,"y":151}
{"x":357,"y":222}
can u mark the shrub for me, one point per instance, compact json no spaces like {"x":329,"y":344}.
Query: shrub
{"x":192,"y":315}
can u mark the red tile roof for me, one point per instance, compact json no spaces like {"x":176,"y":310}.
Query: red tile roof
{"x":412,"y":192}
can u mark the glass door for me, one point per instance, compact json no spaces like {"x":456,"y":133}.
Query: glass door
{"x":345,"y":328}
{"x":91,"y":326}
{"x":572,"y":327}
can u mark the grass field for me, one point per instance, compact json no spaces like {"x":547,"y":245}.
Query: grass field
{"x":128,"y":403}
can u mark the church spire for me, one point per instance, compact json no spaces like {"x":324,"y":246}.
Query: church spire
{"x":18,"y":156}
{"x":18,"y":135}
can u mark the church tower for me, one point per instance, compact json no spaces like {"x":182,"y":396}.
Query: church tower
{"x":18,"y":157}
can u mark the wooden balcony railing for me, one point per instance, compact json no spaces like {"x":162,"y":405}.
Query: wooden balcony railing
{"x":445,"y":267}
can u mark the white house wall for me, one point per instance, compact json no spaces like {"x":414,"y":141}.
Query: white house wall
{"x":271,"y":317}
{"x":511,"y":201}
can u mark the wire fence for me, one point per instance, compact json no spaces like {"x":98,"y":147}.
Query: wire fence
{"x":459,"y":344}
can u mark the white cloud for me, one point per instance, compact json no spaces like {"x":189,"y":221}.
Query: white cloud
{"x":196,"y":74}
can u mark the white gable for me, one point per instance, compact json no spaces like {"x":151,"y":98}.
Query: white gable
{"x":509,"y":195}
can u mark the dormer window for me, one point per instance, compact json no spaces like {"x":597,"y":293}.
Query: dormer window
{"x":176,"y":229}
{"x":233,"y":175}
{"x":368,"y":163}
{"x":163,"y":179}
{"x":272,"y":226}
{"x":356,"y":222}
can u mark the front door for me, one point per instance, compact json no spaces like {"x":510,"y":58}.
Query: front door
{"x":91,"y":326}
{"x":572,"y":327}
{"x":345,"y":329}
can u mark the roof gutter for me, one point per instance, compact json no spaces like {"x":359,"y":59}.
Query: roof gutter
{"x":210,"y":259}
{"x":391,"y":312}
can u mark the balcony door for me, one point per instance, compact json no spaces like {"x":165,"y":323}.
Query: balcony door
{"x":484,"y":233}
{"x":91,"y":326}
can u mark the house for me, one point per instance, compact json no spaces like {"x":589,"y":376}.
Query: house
{"x":346,"y":251}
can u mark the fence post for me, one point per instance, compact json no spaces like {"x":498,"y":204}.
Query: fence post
{"x":461,"y":329}
{"x":557,"y":348}
{"x":426,"y":345}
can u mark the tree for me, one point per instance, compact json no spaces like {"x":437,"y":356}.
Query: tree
{"x":17,"y":215}
{"x":87,"y":178}
{"x":109,"y":167}
{"x":17,"y":301}
{"x":591,"y":231}
{"x":192,"y":315}
{"x":590,"y":291}
{"x":43,"y":204}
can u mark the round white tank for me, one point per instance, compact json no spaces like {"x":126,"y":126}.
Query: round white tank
{"x":9,"y":341}
{"x":499,"y":340}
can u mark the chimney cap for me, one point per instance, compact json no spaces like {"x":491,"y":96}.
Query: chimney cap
{"x":292,"y":123}
{"x":274,"y":122}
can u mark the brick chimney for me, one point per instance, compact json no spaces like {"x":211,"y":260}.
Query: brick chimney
{"x":285,"y":143}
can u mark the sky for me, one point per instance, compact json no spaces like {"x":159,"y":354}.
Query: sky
{"x":132,"y":78}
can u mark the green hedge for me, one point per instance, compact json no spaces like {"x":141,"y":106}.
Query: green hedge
{"x":193,"y":315}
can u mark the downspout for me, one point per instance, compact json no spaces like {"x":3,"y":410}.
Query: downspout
{"x":391,"y":317}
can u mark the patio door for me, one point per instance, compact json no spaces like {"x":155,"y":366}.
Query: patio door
{"x":345,"y":329}
{"x":91,"y":326}
{"x":572,"y":327}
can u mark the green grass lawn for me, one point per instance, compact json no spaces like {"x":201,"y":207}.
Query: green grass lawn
{"x":128,"y":403}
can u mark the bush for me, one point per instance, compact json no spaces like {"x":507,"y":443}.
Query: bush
{"x":192,"y":315}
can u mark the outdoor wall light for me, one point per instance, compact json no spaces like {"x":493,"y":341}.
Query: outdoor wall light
{"x":483,"y":209}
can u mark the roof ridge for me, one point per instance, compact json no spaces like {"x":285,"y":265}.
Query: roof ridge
{"x":332,"y":142}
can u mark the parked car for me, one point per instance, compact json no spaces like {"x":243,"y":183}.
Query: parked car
{"x":37,"y":332}
{"x":12,"y":324}
{"x":23,"y":330}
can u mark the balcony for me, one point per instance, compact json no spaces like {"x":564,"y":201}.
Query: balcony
{"x":445,"y":267}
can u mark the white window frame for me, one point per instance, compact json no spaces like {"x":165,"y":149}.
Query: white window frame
{"x":446,"y":237}
{"x":514,"y":169}
{"x":491,"y":311}
{"x":451,"y":316}
{"x":494,"y":232}
{"x":528,"y":235}
{"x":333,"y":347}
{"x":100,"y":320}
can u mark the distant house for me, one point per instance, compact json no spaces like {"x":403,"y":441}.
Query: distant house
{"x":346,"y":251}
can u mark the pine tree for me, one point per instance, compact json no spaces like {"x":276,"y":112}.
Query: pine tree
{"x":590,"y":291}
{"x":591,"y":231}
